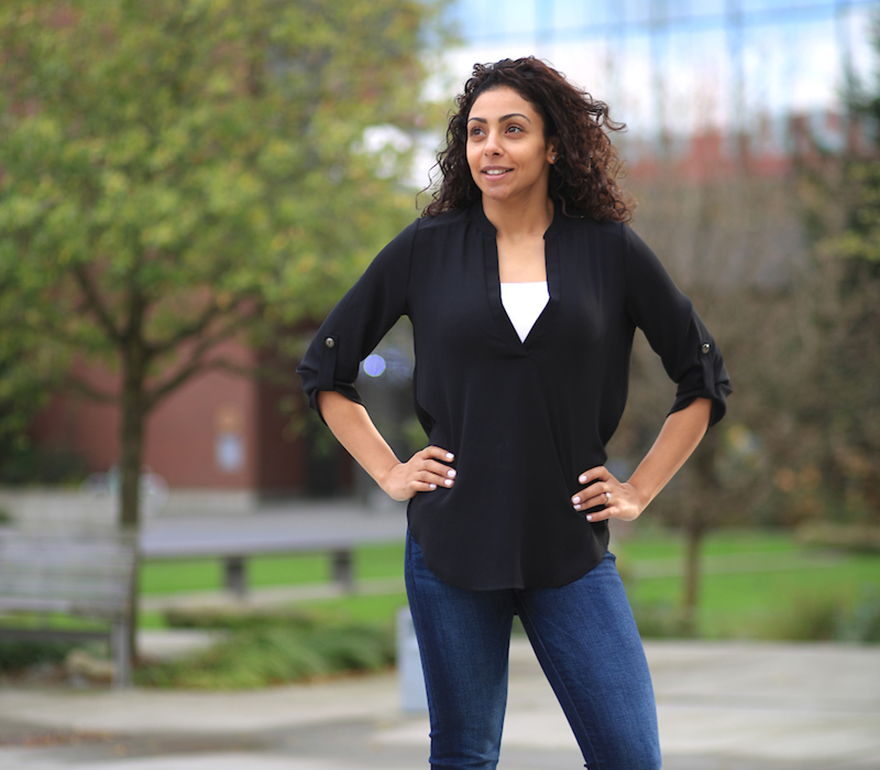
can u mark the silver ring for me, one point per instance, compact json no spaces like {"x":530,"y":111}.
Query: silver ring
{"x":607,"y":498}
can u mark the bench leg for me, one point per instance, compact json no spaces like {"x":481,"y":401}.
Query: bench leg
{"x":236,"y":576}
{"x":343,"y":570}
{"x":119,"y":643}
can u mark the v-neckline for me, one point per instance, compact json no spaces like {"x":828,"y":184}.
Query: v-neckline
{"x":493,"y":282}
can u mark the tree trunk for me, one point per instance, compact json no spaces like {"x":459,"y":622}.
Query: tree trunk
{"x":694,"y":531}
{"x":130,"y":461}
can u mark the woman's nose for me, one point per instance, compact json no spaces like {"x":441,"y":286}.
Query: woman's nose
{"x":493,"y":147}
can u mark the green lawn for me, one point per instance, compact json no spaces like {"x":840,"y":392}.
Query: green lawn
{"x":754,"y":585}
{"x":164,"y":577}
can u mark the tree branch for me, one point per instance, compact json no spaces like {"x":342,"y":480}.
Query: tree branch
{"x":197,"y":362}
{"x":192,"y":330}
{"x":83,"y":388}
{"x":194,"y":368}
{"x":94,"y":304}
{"x":17,"y":324}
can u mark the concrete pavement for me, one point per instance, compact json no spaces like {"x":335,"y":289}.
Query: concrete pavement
{"x":722,"y":706}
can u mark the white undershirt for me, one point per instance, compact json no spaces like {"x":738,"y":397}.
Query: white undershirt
{"x":523,"y":303}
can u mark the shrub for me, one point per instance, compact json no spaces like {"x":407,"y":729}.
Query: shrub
{"x":862,"y":623}
{"x":271,"y":647}
{"x":17,"y":656}
{"x":807,"y":619}
{"x":660,"y":621}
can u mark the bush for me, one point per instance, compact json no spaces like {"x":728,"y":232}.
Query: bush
{"x":234,"y":618}
{"x":17,"y":656}
{"x":862,"y":624}
{"x":269,"y":648}
{"x":42,"y":465}
{"x":829,"y":619}
{"x":660,"y":621}
{"x":863,"y":538}
{"x":807,"y":619}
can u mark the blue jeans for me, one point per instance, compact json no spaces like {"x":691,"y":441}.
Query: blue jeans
{"x":585,"y":639}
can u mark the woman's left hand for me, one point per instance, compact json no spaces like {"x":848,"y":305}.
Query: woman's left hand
{"x":621,"y":499}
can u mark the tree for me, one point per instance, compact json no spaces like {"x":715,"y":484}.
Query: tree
{"x":178,"y":173}
{"x":734,"y":243}
{"x":840,"y":197}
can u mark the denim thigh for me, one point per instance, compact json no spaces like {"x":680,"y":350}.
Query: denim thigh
{"x":585,"y":639}
{"x":587,"y":643}
{"x":464,"y":642}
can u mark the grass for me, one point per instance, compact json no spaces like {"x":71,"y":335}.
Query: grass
{"x":164,"y":577}
{"x":753,"y":581}
{"x":754,"y":584}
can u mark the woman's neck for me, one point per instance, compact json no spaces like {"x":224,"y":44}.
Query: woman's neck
{"x":515,"y":221}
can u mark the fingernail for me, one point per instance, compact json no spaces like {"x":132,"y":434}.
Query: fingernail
{"x":589,"y":518}
{"x":450,"y":473}
{"x":448,"y":482}
{"x":432,"y":486}
{"x":450,"y":456}
{"x":582,"y":479}
{"x":578,"y":507}
{"x":575,"y":500}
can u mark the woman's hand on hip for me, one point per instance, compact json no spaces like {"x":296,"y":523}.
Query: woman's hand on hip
{"x":425,"y":471}
{"x":621,"y":499}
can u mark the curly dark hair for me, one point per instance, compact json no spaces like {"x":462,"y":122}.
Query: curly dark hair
{"x":583,"y":180}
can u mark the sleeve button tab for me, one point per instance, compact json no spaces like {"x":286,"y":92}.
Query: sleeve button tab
{"x":705,"y":347}
{"x":330,"y":342}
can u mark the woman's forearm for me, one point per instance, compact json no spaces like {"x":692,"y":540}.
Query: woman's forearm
{"x":353,"y":428}
{"x":425,"y":471}
{"x":679,"y":437}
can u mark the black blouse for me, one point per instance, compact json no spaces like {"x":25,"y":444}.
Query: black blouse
{"x":523,"y":419}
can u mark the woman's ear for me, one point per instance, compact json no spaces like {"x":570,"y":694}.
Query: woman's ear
{"x":552,"y":150}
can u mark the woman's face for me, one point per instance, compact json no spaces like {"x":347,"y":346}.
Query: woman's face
{"x":508,"y":155}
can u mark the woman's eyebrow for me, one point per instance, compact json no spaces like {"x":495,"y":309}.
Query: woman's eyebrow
{"x":503,"y":118}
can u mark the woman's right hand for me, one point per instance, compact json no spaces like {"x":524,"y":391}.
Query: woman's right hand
{"x":425,"y":471}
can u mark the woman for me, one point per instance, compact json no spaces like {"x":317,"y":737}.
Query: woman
{"x":524,"y":287}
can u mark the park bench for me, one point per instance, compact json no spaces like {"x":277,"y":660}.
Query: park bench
{"x":87,"y":574}
{"x":234,"y":540}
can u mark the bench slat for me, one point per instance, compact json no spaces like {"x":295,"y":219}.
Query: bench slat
{"x":87,"y":608}
{"x":88,"y":575}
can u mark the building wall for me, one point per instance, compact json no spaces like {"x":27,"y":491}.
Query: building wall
{"x":218,"y":431}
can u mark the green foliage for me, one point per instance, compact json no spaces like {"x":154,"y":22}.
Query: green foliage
{"x":265,"y":648}
{"x":660,"y":620}
{"x":833,"y":617}
{"x":861,"y":240}
{"x":236,"y":618}
{"x":174,"y":175}
{"x":862,"y":623}
{"x":840,"y":194}
{"x":864,"y":539}
{"x":32,"y":464}
{"x":806,"y":618}
{"x":16,"y":656}
{"x":183,"y":159}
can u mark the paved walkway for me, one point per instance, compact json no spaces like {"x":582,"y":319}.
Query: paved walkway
{"x":722,"y":706}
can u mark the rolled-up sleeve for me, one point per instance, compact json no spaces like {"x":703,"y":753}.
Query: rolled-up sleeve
{"x":357,"y":324}
{"x":675,"y":331}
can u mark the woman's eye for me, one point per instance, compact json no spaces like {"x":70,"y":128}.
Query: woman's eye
{"x":514,"y":129}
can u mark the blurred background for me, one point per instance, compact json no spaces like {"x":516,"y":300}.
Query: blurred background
{"x":186,"y":189}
